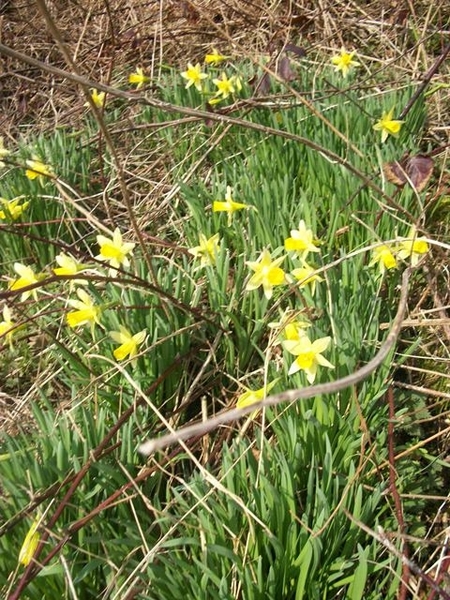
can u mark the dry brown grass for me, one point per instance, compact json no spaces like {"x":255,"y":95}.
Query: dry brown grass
{"x":105,"y":38}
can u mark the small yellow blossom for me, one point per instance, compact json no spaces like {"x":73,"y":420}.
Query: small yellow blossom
{"x":207,"y":250}
{"x":3,"y":153}
{"x":215,"y":57}
{"x":413,"y":247}
{"x":86,"y":312}
{"x":384,"y":256}
{"x":7,"y":326}
{"x":12,"y":209}
{"x":128,"y":342}
{"x":194,"y":76}
{"x":138,"y":77}
{"x":309,"y":355}
{"x":237,"y":83}
{"x":388,"y":126}
{"x":39,"y":170}
{"x":26,"y":277}
{"x":67,"y":265}
{"x":344,"y":61}
{"x":250,"y":397}
{"x":295,"y":330}
{"x":98,"y":98}
{"x":114,"y":250}
{"x":225,"y":87}
{"x":301,"y":240}
{"x":291,"y":324}
{"x":267,"y":272}
{"x":306,"y":275}
{"x":30,"y":544}
{"x":228,"y":205}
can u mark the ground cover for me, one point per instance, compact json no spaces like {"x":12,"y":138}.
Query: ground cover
{"x":202,"y":233}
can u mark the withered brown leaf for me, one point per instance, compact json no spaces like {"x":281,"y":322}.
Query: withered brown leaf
{"x":415,"y":170}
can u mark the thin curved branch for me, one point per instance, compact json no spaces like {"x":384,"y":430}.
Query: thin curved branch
{"x":139,"y":98}
{"x":201,"y":428}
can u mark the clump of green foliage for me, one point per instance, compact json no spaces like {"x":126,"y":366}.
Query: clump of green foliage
{"x":149,"y":319}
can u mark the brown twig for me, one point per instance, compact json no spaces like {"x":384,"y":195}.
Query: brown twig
{"x":426,"y":80}
{"x":442,"y":572}
{"x":53,"y":29}
{"x":383,"y":539}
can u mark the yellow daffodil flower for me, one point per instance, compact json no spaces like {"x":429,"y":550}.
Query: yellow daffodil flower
{"x":3,"y":153}
{"x":237,"y":83}
{"x":67,"y":265}
{"x":225,"y":87}
{"x":290,"y":325}
{"x":344,"y":61}
{"x":295,"y":330}
{"x":86,"y":312}
{"x":194,"y":76}
{"x":207,"y":250}
{"x":301,"y":240}
{"x":114,"y":250}
{"x":128,"y":342}
{"x":7,"y":327}
{"x":267,"y":273}
{"x":215,"y":57}
{"x":12,"y":209}
{"x":250,"y":397}
{"x":413,"y":247}
{"x":306,"y":275}
{"x":138,"y":77}
{"x":388,"y":126}
{"x":30,"y":544}
{"x":228,"y":205}
{"x":26,"y":277}
{"x":309,"y":355}
{"x":384,"y":256}
{"x":98,"y":98}
{"x":39,"y":170}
